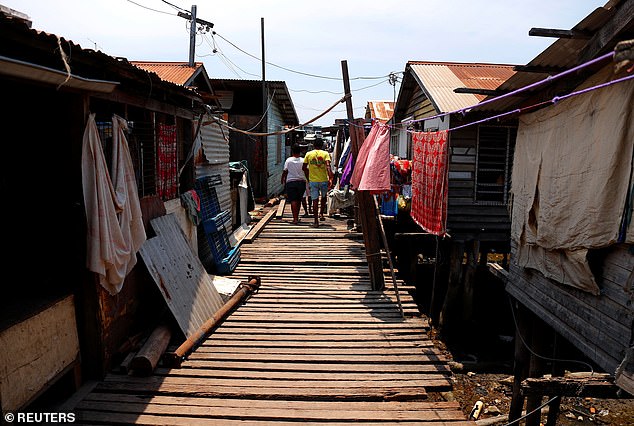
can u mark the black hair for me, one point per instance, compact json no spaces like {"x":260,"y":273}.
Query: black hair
{"x":319,"y":143}
{"x":296,"y":149}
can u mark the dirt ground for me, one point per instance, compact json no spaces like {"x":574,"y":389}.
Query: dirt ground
{"x":494,"y":389}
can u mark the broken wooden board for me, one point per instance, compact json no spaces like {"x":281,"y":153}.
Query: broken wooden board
{"x":180,"y":276}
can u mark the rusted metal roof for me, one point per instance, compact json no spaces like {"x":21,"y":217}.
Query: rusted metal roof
{"x":175,"y":72}
{"x":439,"y":80}
{"x":380,"y":110}
{"x":563,"y":54}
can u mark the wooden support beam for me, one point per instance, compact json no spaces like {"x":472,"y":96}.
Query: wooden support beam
{"x":595,"y":386}
{"x":476,"y":91}
{"x":540,"y":69}
{"x":367,"y":211}
{"x":607,"y":36}
{"x":549,"y":32}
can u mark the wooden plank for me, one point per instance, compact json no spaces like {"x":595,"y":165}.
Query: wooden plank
{"x":108,"y":417}
{"x":280,"y":209}
{"x":426,"y":357}
{"x":255,"y":231}
{"x":267,"y":412}
{"x":312,"y":350}
{"x":325,"y":367}
{"x":399,"y":393}
{"x":426,"y":372}
{"x":337,"y":406}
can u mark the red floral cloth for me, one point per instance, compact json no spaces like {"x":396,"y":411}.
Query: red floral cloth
{"x":430,"y":181}
{"x":166,"y":165}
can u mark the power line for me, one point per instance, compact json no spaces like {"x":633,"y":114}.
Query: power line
{"x":174,"y":6}
{"x":149,"y":8}
{"x":295,"y":71}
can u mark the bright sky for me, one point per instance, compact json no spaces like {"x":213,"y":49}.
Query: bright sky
{"x":375,"y":37}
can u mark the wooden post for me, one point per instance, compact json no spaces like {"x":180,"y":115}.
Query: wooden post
{"x":473,"y":251}
{"x":522,"y":358}
{"x":367,"y":211}
{"x":539,"y":343}
{"x":450,"y":310}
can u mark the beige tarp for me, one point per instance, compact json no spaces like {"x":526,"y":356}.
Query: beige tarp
{"x":115,"y":228}
{"x":571,"y":177}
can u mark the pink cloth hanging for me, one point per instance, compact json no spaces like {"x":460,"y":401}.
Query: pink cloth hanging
{"x":430,"y":181}
{"x":372,"y":167}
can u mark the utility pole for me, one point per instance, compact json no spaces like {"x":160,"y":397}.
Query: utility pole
{"x":265,"y":145}
{"x":193,"y":22}
{"x":365,"y":202}
{"x":192,"y":36}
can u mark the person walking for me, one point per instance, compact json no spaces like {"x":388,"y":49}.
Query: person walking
{"x":319,"y":175}
{"x":293,"y":178}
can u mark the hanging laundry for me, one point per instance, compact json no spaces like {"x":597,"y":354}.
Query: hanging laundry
{"x":167,"y":165}
{"x":347,"y":172}
{"x":345,"y":152}
{"x":113,"y":213}
{"x":372,"y":168}
{"x":430,"y":181}
{"x":191,"y":202}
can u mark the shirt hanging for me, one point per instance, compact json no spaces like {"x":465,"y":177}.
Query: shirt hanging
{"x":430,"y":181}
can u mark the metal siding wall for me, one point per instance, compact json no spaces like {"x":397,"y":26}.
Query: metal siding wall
{"x":275,"y":123}
{"x":216,"y":149}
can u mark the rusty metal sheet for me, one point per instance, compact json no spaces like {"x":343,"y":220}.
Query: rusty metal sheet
{"x":179,"y":275}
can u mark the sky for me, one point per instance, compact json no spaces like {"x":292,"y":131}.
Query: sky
{"x":375,"y":38}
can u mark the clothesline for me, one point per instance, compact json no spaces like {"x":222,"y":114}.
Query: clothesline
{"x":548,"y":79}
{"x":280,"y":132}
{"x":522,"y":110}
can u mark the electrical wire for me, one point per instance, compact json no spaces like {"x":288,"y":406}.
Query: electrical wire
{"x":175,"y":7}
{"x":295,"y":71}
{"x":149,"y":8}
{"x":536,"y":354}
{"x":534,"y":411}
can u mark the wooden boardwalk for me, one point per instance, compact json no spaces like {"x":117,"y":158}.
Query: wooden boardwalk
{"x":315,"y":345}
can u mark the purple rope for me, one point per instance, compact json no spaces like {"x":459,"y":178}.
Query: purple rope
{"x":546,"y":80}
{"x":522,"y":89}
{"x":552,"y":101}
{"x":590,"y":89}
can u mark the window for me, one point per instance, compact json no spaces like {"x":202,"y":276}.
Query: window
{"x":493,"y":163}
{"x":278,"y":150}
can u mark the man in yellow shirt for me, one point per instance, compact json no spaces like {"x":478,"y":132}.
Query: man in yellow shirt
{"x":319,"y":175}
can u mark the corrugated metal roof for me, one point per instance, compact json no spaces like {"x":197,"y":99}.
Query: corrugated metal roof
{"x":175,"y":72}
{"x":380,"y":110}
{"x":439,"y":79}
{"x":562,"y":54}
